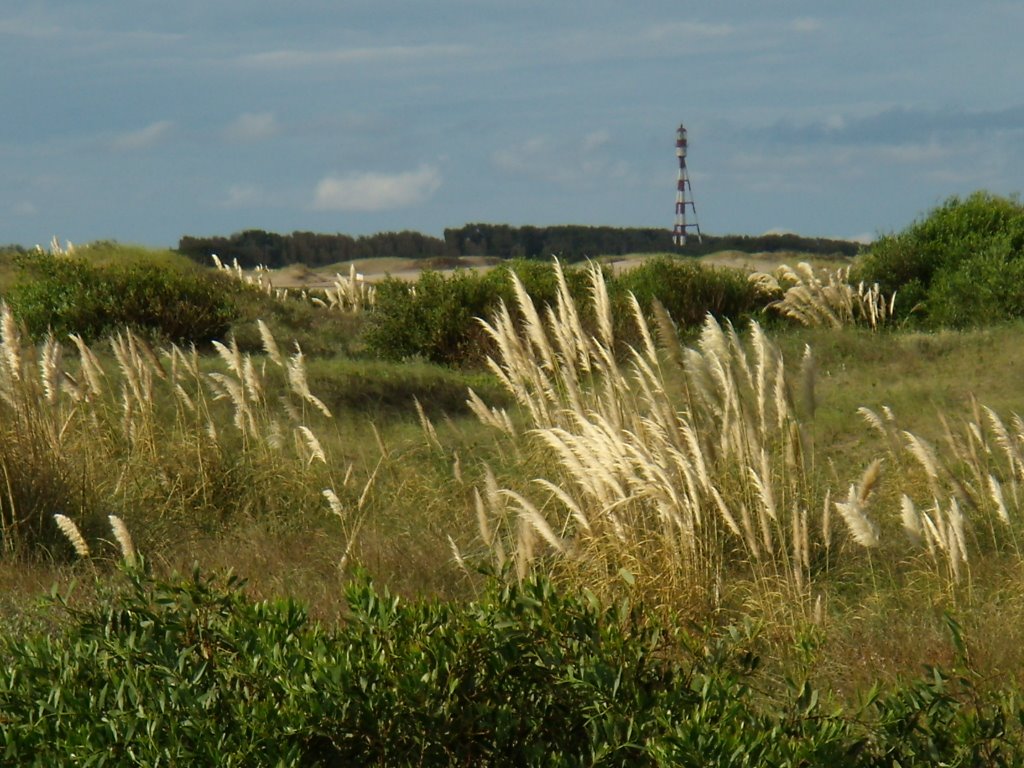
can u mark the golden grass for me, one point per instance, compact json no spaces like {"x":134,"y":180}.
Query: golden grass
{"x":351,"y":294}
{"x":832,"y":301}
{"x":689,"y":479}
{"x":694,"y":468}
{"x":146,"y":438}
{"x":962,"y":493}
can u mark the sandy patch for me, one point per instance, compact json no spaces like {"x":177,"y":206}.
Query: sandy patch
{"x":298,"y":276}
{"x":375,"y":270}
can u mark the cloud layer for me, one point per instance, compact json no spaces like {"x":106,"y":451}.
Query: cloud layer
{"x":144,"y":138}
{"x":252,"y":126}
{"x":128,"y":122}
{"x":375,"y":191}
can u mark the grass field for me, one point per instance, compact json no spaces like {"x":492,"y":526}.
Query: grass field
{"x":723,"y":479}
{"x":423,"y":484}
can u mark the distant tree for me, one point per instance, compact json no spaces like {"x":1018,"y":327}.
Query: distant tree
{"x":568,"y":241}
{"x":255,"y":247}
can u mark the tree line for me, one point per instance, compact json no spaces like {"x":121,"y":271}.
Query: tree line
{"x":253,"y":247}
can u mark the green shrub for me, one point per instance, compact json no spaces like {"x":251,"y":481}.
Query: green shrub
{"x":433,"y":318}
{"x":182,"y":674}
{"x":540,"y":282}
{"x":191,"y":672}
{"x":958,"y":266}
{"x":293,"y":319}
{"x":436,"y":317}
{"x":985,"y":287}
{"x":689,"y":291}
{"x":65,"y":295}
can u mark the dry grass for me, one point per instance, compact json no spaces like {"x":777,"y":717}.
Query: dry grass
{"x":694,"y":469}
{"x":156,"y":440}
{"x":961,"y":495}
{"x":832,"y":301}
{"x":351,"y":294}
{"x":696,"y":477}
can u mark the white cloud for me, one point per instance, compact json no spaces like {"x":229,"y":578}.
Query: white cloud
{"x":525,"y":158}
{"x":854,"y":159}
{"x":39,"y":28}
{"x":244,"y":196}
{"x":252,"y":126}
{"x":374,"y":191}
{"x":689,"y":31}
{"x":143,"y":138}
{"x":912,"y":153}
{"x":834,"y":123}
{"x":806,"y":25}
{"x":594,"y":141}
{"x":562,"y":161}
{"x":29,"y":29}
{"x":296,"y":58}
{"x":25,"y":208}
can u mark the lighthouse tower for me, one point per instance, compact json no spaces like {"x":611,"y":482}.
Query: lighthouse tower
{"x":684,"y":195}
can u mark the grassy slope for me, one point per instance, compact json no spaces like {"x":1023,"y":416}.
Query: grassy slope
{"x":417,"y":500}
{"x":877,"y":624}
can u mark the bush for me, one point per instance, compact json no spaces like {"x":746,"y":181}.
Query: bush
{"x":191,"y":672}
{"x":66,"y":295}
{"x":436,"y":317}
{"x":690,"y":291}
{"x":433,"y":318}
{"x":293,"y":319}
{"x":985,"y":287}
{"x":958,"y":266}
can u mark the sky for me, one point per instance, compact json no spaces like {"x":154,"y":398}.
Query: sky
{"x":143,"y":121}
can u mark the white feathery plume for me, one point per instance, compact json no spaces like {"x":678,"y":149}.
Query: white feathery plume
{"x":270,"y":344}
{"x":531,"y":515}
{"x":334,"y":502}
{"x":90,"y":366}
{"x":50,"y":369}
{"x":316,"y":451}
{"x":911,"y":520}
{"x":574,"y":509}
{"x":996,"y":492}
{"x":10,"y":342}
{"x":864,"y":531}
{"x":124,"y":539}
{"x":72,"y":534}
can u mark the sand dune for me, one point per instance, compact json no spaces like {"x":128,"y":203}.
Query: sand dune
{"x":375,"y":270}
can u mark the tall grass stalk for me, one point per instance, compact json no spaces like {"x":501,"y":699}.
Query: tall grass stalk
{"x":154,"y":438}
{"x":962,"y":493}
{"x":832,"y":301}
{"x":696,"y":477}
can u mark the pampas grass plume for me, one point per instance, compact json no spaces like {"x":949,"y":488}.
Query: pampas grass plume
{"x":316,"y":451}
{"x":124,"y":539}
{"x":72,"y":534}
{"x":334,"y":502}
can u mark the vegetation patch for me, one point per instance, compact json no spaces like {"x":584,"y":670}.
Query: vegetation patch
{"x":191,"y":671}
{"x":67,"y":294}
{"x":663,"y":527}
{"x":961,"y":265}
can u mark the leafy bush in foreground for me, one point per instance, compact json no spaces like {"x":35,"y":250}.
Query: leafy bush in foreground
{"x":191,"y":672}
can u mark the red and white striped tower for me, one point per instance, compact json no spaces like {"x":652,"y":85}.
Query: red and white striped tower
{"x":684,"y":194}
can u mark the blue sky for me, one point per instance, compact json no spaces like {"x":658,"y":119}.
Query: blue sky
{"x":142,"y":121}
